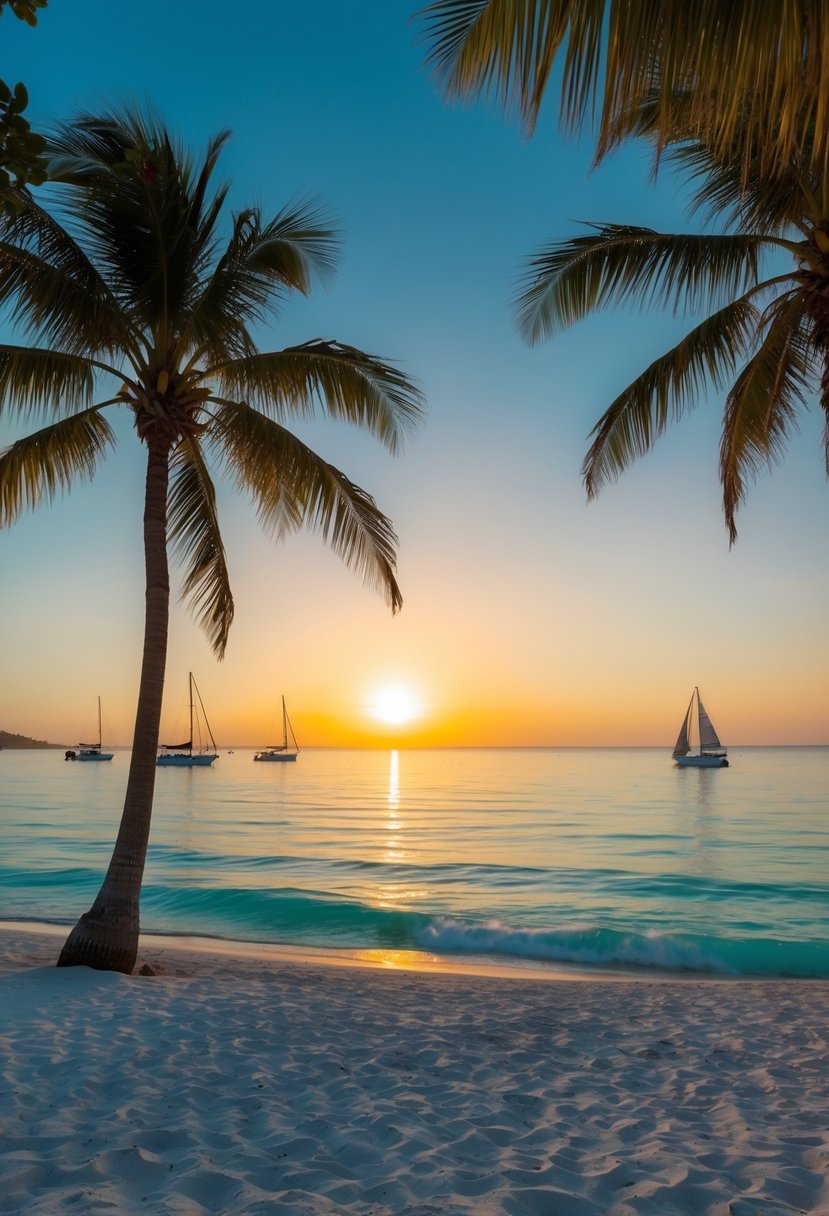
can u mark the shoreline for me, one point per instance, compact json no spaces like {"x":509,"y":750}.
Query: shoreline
{"x":231,"y":1083}
{"x":170,"y":950}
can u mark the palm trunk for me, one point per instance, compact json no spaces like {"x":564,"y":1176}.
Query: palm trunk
{"x":106,"y":937}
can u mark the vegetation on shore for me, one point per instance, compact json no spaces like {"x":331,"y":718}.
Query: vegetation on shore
{"x":24,"y":743}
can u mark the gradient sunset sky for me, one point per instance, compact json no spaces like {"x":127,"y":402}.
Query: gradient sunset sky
{"x":529,"y":617}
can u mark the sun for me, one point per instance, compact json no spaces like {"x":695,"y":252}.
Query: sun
{"x":394,"y":704}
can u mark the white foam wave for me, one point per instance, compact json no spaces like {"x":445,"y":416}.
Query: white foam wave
{"x":576,"y":944}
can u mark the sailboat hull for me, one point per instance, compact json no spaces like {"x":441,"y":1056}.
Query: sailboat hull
{"x":200,"y":761}
{"x":701,"y":761}
{"x":94,"y":755}
{"x":277,"y":757}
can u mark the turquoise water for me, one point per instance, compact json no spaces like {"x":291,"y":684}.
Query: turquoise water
{"x":598,"y":857}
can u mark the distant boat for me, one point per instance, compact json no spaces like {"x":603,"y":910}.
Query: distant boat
{"x":90,"y":751}
{"x":183,"y":755}
{"x":283,"y":751}
{"x":696,"y":724}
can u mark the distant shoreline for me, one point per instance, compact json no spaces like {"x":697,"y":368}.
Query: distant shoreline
{"x":22,"y":743}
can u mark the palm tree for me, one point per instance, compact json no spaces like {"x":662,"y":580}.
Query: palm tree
{"x":128,"y":281}
{"x":765,"y":340}
{"x":742,"y":62}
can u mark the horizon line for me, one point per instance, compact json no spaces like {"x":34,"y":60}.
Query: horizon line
{"x":430,"y":747}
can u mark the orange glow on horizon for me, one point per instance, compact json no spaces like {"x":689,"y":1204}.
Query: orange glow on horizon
{"x":334,"y":704}
{"x":579,"y":724}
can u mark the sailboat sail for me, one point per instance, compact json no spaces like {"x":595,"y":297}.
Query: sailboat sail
{"x":683,"y":745}
{"x":707,"y":735}
{"x":696,"y":725}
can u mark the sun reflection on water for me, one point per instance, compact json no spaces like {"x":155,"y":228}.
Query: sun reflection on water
{"x":393,"y":823}
{"x":394,"y":780}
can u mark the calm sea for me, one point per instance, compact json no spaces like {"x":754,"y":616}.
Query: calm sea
{"x":602,"y":858}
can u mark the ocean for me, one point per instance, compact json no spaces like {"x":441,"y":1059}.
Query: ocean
{"x":600,"y":858}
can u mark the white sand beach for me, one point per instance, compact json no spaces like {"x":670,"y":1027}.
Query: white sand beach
{"x":230,"y":1084}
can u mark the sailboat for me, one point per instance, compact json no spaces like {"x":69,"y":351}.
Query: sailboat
{"x":183,"y":755}
{"x":90,"y":751}
{"x":710,"y":753}
{"x":281,"y":751}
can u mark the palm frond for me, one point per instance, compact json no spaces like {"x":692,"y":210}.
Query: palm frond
{"x":666,"y":390}
{"x":735,"y":191}
{"x":755,"y":73}
{"x":50,"y":305}
{"x":297,"y":244}
{"x":293,"y":487}
{"x":625,"y":265}
{"x":59,"y":294}
{"x":761,"y":409}
{"x":741,"y":62}
{"x":193,"y":530}
{"x":262,"y":263}
{"x":346,"y":383}
{"x":506,"y":48}
{"x":36,"y":381}
{"x":49,"y":460}
{"x":744,"y":195}
{"x":144,"y":208}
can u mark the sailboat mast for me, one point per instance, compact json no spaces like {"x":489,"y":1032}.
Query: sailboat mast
{"x":692,"y":716}
{"x":100,"y":732}
{"x":284,"y":725}
{"x":191,"y":711}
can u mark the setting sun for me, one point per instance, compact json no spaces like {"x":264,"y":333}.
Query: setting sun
{"x":394,"y":704}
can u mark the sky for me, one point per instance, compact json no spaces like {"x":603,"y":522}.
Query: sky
{"x":530,"y":617}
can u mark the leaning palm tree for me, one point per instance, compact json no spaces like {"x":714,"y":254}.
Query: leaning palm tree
{"x":765,"y":339}
{"x":742,"y":61}
{"x":127,"y":282}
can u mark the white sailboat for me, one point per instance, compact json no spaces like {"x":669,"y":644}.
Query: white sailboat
{"x":697,"y":725}
{"x":90,"y":751}
{"x":285,"y":750}
{"x":184,"y":755}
